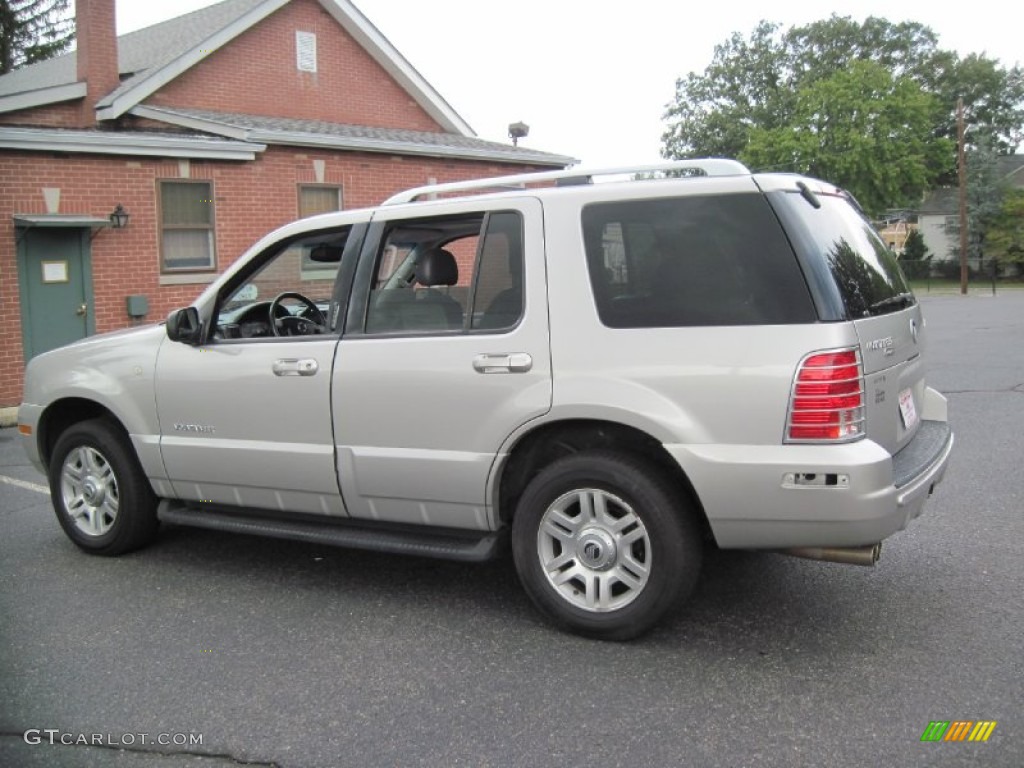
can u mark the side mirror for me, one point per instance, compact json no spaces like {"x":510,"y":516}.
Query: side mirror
{"x":183,"y":325}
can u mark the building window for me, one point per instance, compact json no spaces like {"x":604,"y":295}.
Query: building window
{"x":187,"y":226}
{"x":952,"y":225}
{"x":315,"y":199}
{"x":318,"y":198}
{"x":305,"y":51}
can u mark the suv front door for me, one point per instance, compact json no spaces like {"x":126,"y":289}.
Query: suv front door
{"x":245,"y":418}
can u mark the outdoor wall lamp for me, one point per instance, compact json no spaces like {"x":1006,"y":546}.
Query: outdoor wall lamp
{"x":119,"y":218}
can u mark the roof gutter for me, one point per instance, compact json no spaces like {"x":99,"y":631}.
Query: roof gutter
{"x":350,"y":143}
{"x":39,"y":97}
{"x":118,"y":143}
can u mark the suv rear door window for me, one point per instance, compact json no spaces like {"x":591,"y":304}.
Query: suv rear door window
{"x":866,"y":273}
{"x":448,"y":274}
{"x":693,"y":261}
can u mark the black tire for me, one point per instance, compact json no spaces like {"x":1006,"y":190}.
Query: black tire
{"x":652,"y":574}
{"x":102,"y":499}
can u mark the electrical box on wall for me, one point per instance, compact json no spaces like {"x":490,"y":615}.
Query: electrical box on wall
{"x":138,"y":306}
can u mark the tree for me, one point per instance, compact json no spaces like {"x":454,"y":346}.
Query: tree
{"x":33,"y":30}
{"x":985,"y":191}
{"x":744,"y":86}
{"x":1006,"y":231}
{"x":993,"y":100}
{"x":914,"y":248}
{"x":915,"y":259}
{"x":862,"y":129}
{"x":766,"y":86}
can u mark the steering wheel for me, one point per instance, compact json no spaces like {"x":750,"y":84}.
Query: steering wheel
{"x":284,"y":323}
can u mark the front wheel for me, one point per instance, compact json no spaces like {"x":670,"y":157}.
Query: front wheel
{"x":605,"y":544}
{"x":102,"y":499}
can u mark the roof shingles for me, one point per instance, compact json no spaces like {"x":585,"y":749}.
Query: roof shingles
{"x":138,"y":52}
{"x":277,"y":130}
{"x":147,"y":51}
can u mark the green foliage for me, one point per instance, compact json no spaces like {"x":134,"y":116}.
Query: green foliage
{"x":781,"y":99}
{"x":993,"y":101}
{"x":33,"y":30}
{"x":860,"y":128}
{"x":914,"y":248}
{"x":1006,"y":231}
{"x":985,"y":190}
{"x":915,"y":260}
{"x":949,"y":269}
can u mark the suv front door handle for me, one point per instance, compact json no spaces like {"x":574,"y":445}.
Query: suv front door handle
{"x":305,"y":367}
{"x":517,"y":362}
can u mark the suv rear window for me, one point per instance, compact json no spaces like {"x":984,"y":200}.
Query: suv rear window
{"x":693,"y":261}
{"x":866,"y":273}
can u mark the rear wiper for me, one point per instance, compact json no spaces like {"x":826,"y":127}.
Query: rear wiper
{"x":901,"y":300}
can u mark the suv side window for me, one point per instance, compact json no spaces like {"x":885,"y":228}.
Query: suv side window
{"x":692,"y":261}
{"x":448,"y":274}
{"x":282,"y":296}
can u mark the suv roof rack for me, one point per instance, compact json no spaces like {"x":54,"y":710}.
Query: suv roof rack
{"x":711,"y":166}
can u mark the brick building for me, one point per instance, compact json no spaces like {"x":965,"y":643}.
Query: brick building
{"x":209,"y":130}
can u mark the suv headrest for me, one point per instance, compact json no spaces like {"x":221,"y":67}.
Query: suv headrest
{"x":437,"y":267}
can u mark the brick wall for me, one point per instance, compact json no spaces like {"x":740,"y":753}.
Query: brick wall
{"x":96,"y":56}
{"x":256,"y":74}
{"x":66,"y":115}
{"x":250,"y":200}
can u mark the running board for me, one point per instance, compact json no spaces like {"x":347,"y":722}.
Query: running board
{"x":468,"y":547}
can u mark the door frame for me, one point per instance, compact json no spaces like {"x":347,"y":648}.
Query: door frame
{"x":85,"y":244}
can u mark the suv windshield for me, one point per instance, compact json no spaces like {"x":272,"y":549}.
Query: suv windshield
{"x":866,"y":273}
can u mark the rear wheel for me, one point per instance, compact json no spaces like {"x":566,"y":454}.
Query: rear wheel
{"x":605,"y":544}
{"x":102,"y":499}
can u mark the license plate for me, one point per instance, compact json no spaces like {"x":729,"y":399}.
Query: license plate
{"x":907,"y":410}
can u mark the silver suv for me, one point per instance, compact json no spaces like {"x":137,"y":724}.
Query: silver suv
{"x":608,"y":374}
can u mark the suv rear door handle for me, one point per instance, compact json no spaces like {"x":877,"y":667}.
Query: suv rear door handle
{"x":305,"y":367}
{"x":517,"y":362}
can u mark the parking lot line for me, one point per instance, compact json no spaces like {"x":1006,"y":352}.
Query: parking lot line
{"x":24,"y":484}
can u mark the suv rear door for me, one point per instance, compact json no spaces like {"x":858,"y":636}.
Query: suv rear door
{"x":435,"y":371}
{"x":858,"y":279}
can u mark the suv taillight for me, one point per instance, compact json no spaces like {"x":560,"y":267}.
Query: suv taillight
{"x":827,"y":402}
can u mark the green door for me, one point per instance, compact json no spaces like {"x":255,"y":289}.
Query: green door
{"x":55,"y":279}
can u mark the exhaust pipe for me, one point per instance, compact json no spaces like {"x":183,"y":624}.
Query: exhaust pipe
{"x":867,"y":556}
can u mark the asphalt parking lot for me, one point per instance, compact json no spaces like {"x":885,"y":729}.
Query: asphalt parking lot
{"x":285,"y":654}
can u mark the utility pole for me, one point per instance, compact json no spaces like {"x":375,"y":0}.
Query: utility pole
{"x":961,"y":159}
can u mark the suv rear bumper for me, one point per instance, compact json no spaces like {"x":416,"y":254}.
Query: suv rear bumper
{"x":754,"y":499}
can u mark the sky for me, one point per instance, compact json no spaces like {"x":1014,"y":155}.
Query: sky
{"x":592,"y":79}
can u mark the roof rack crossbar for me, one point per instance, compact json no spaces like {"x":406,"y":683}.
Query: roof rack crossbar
{"x":712,"y":166}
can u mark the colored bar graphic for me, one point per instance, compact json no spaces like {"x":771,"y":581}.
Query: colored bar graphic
{"x":958,"y":730}
{"x":982,"y":730}
{"x":935,"y":731}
